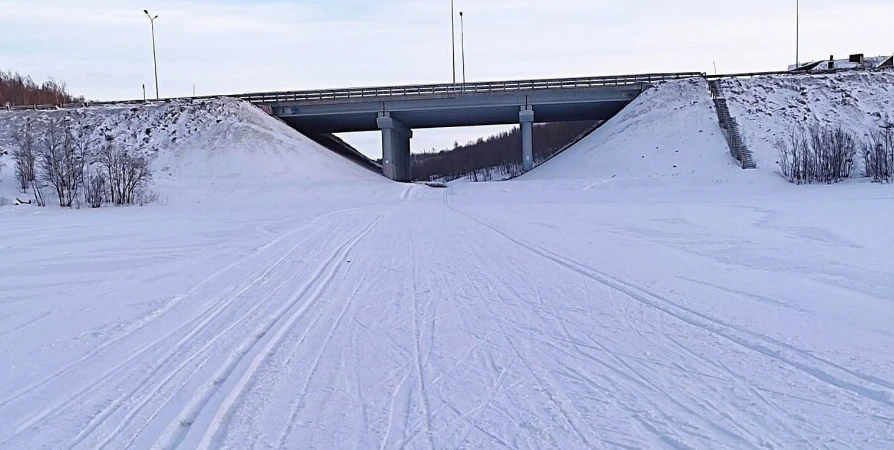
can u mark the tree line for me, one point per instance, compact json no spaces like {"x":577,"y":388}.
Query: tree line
{"x":21,"y":90}
{"x":499,"y":154}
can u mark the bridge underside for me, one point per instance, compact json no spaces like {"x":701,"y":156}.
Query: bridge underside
{"x":397,"y":117}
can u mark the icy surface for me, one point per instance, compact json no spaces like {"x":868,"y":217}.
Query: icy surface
{"x":601,"y":301}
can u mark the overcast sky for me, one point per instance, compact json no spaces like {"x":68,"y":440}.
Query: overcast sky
{"x":102,"y":48}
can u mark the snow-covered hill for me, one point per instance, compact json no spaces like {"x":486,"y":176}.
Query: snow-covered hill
{"x":672,"y":130}
{"x":768,"y":107}
{"x":201,"y":149}
{"x":668,"y":131}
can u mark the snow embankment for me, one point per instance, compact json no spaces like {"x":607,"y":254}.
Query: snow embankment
{"x":769,"y":107}
{"x":199,"y":149}
{"x":670,"y":130}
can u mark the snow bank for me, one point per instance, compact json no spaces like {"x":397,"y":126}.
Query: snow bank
{"x":668,"y":131}
{"x":202,"y":148}
{"x":671,"y":131}
{"x":767,"y":107}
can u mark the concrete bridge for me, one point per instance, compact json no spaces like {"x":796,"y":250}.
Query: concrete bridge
{"x":396,"y":111}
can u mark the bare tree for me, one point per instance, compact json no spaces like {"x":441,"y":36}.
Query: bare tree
{"x":127,"y":174}
{"x":24,"y":157}
{"x":39,"y":199}
{"x":61,"y":164}
{"x":878,"y":154}
{"x":94,"y":187}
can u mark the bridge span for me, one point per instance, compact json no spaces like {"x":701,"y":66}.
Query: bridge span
{"x":397,"y":110}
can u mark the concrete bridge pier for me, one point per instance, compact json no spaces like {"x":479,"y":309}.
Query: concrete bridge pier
{"x":526,"y":121}
{"x":395,"y":148}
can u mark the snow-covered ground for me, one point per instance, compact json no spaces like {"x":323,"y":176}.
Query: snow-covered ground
{"x":605,"y":300}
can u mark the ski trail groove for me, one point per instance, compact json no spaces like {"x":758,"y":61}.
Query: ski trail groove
{"x":221,"y":374}
{"x":168,"y":307}
{"x":197,"y":325}
{"x":704,"y":322}
{"x":321,"y":278}
{"x":299,"y":403}
{"x":417,"y":342}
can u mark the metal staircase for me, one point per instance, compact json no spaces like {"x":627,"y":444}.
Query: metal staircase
{"x":730,"y":127}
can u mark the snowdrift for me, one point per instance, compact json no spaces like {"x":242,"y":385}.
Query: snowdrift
{"x":668,"y":131}
{"x":201,"y":148}
{"x":768,"y":107}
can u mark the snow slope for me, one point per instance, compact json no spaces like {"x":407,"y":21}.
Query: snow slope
{"x":767,"y":107}
{"x":670,"y":130}
{"x":202,"y":149}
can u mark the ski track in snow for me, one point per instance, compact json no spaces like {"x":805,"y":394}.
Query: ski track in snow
{"x":431,"y":322}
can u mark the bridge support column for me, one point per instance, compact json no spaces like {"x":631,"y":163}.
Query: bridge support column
{"x":395,"y":148}
{"x":526,"y":121}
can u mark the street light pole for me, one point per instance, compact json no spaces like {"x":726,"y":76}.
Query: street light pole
{"x":797,"y":34}
{"x":462,"y":27}
{"x":154,"y":58}
{"x":453,"y":40}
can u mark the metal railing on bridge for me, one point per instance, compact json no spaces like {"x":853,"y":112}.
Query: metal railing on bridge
{"x":460,"y":88}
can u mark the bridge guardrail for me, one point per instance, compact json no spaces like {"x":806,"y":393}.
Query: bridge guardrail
{"x":449,"y":88}
{"x":403,"y":91}
{"x":431,"y":89}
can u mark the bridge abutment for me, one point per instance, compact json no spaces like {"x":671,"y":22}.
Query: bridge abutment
{"x":526,"y":121}
{"x":395,"y":148}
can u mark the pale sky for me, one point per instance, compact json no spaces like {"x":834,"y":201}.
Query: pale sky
{"x":102,"y":48}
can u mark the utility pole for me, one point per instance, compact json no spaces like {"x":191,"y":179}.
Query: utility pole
{"x":154,"y":58}
{"x":453,"y":40}
{"x":144,"y":92}
{"x":462,"y":25}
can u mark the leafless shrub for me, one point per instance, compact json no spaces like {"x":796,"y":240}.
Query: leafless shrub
{"x":144,"y":197}
{"x":95,"y":187}
{"x":127,"y":173}
{"x":878,"y":154}
{"x":61,"y":164}
{"x":24,"y":157}
{"x":817,"y":155}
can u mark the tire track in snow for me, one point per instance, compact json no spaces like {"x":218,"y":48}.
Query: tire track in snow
{"x":323,"y":276}
{"x":708,"y":324}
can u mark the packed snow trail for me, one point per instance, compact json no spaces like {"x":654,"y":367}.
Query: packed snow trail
{"x":516,"y":315}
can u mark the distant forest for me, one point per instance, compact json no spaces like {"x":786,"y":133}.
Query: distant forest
{"x":497,"y":156}
{"x":21,"y":90}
